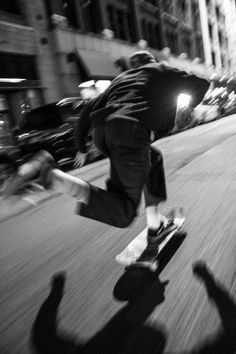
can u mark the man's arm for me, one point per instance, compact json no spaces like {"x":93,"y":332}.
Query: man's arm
{"x":188,"y":83}
{"x":82,"y":128}
{"x":193,"y":85}
{"x":83,"y":123}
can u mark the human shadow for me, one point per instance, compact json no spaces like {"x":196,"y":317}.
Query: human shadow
{"x":127,"y":332}
{"x":119,"y":335}
{"x":136,"y":280}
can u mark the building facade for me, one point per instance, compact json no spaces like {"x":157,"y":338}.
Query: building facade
{"x":19,"y":77}
{"x":181,"y":28}
{"x":230,"y":17}
{"x":54,"y":45}
{"x":214,"y":21}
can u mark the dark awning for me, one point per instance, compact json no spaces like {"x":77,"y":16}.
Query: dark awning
{"x":12,"y":85}
{"x":97,"y":65}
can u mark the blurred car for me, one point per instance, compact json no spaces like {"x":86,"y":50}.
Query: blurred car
{"x":10,"y":154}
{"x":51,"y":127}
{"x":204,"y":113}
{"x":230,"y":105}
{"x":230,"y":108}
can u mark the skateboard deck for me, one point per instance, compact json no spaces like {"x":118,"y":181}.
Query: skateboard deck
{"x":135,"y":248}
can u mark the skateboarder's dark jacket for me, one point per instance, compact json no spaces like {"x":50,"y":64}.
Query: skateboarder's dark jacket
{"x":147,"y":94}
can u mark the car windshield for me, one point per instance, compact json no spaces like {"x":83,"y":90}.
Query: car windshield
{"x":50,"y":116}
{"x":44,"y":117}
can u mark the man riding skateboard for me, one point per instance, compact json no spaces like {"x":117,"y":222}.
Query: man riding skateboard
{"x":139,"y":103}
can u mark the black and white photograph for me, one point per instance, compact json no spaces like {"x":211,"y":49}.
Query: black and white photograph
{"x":118,"y":176}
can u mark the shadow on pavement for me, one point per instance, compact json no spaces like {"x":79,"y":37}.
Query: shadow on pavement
{"x":136,"y":281}
{"x":126,"y":332}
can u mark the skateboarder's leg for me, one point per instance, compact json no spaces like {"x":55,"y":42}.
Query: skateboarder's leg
{"x":155,"y":190}
{"x":117,"y":205}
{"x":154,"y":194}
{"x":128,"y":145}
{"x":44,"y":166}
{"x":67,"y":184}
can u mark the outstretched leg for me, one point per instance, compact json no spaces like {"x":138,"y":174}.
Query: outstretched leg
{"x":155,"y":193}
{"x":117,"y":205}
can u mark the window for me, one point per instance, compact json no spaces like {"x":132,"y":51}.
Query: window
{"x":195,"y":16}
{"x":217,"y":13}
{"x":183,"y":6}
{"x":223,"y":61}
{"x":183,"y":10}
{"x":153,"y":2}
{"x":111,"y":17}
{"x":158,"y":36}
{"x":167,"y":6}
{"x":91,"y":16}
{"x":150,"y":34}
{"x":172,"y":41}
{"x":187,"y":46}
{"x":220,"y":37}
{"x":210,"y":28}
{"x":70,"y":13}
{"x":213,"y":58}
{"x":121,"y":24}
{"x":131,"y":27}
{"x":199,"y":48}
{"x":11,"y":6}
{"x":144,"y":29}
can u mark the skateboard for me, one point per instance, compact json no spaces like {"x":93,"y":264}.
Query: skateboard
{"x":129,"y":256}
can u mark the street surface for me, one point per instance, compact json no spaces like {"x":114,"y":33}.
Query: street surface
{"x":45,"y":236}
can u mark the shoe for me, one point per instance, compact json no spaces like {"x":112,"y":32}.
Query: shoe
{"x":157,"y":236}
{"x":40,"y":166}
{"x":47,"y":165}
{"x":154,"y":238}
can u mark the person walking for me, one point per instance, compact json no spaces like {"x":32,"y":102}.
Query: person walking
{"x":139,"y":103}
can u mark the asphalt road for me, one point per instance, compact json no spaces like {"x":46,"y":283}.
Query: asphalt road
{"x":42,"y":236}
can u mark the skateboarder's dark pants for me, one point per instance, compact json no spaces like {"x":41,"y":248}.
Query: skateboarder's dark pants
{"x":133,"y":166}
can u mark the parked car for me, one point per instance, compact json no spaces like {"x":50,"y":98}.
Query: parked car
{"x":204,"y":113}
{"x":51,"y":127}
{"x":10,"y":153}
{"x":230,"y":108}
{"x":230,"y":105}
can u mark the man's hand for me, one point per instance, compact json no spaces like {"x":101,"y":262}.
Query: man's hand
{"x":80,"y":159}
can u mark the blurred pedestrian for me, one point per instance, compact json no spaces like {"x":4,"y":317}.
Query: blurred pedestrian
{"x":122,"y":121}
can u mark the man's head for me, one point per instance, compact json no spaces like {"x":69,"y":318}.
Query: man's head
{"x":141,"y":58}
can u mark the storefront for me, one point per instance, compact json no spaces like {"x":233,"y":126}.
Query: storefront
{"x":20,"y":88}
{"x":16,"y":96}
